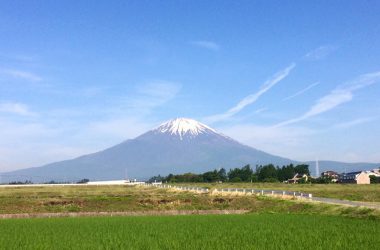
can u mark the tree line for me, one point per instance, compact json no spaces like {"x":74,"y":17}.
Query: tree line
{"x":262,"y":173}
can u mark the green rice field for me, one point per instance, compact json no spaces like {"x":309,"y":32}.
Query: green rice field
{"x":251,"y":231}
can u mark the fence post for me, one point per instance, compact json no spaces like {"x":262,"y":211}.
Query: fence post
{"x":262,"y":192}
{"x":272,"y":192}
{"x":283,"y":193}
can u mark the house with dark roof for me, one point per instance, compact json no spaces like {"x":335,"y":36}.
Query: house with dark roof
{"x":334,"y":176}
{"x":360,"y":177}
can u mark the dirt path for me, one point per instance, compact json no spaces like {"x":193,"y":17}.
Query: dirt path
{"x":129,"y":213}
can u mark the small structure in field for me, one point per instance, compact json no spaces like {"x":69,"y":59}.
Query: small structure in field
{"x":156,"y":182}
{"x":360,"y":177}
{"x":116,"y":182}
{"x":297,"y":177}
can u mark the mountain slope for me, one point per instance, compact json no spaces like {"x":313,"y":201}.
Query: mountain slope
{"x":341,"y":167}
{"x":177,"y":146}
{"x":180,"y":145}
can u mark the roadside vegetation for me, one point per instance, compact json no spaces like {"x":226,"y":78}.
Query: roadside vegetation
{"x":252,"y":231}
{"x":353,"y":192}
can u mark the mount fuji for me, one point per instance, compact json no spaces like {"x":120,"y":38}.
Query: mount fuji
{"x":177,"y":146}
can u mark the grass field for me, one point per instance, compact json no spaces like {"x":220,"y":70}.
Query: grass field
{"x":264,"y":231}
{"x":369,"y":193}
{"x":271,"y":223}
{"x":111,"y":199}
{"x":16,"y":200}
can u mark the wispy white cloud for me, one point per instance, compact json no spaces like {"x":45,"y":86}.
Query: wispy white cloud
{"x":115,"y":129}
{"x":319,"y":53}
{"x":206,"y":44}
{"x":154,"y":94}
{"x":34,"y":142}
{"x":25,"y":75}
{"x":258,"y":111}
{"x":15,"y":108}
{"x":29,"y":144}
{"x":283,"y":141}
{"x":301,"y":91}
{"x":342,"y":94}
{"x":19,"y":58}
{"x":160,"y":89}
{"x":253,"y":97}
{"x":355,"y":122}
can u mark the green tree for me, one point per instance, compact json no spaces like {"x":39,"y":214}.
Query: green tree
{"x":244,"y":174}
{"x":302,"y":169}
{"x":235,"y":179}
{"x":222,"y":175}
{"x":286,"y":172}
{"x":374,"y":179}
{"x":266,"y":172}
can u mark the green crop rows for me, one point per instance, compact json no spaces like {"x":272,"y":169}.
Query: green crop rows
{"x":253,"y":231}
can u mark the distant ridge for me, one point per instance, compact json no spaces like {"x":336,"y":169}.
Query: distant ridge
{"x":177,"y":146}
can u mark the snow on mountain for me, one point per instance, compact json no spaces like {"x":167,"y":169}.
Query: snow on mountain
{"x":183,"y":127}
{"x":178,"y":146}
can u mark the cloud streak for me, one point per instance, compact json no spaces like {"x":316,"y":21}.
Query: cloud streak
{"x":319,"y":53}
{"x":301,"y":91}
{"x":349,"y":124}
{"x":342,"y":94}
{"x":284,"y":141}
{"x":25,"y":75}
{"x":206,"y":45}
{"x":154,"y":94}
{"x":276,"y":78}
{"x":15,"y":108}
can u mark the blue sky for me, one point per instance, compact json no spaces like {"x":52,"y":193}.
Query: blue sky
{"x":300,"y":79}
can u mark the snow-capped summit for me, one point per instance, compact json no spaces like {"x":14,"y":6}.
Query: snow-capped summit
{"x":177,"y":146}
{"x":184,"y":127}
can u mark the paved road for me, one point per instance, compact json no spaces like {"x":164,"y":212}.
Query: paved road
{"x":346,"y":202}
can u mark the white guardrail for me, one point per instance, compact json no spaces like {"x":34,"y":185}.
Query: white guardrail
{"x":265,"y":192}
{"x":180,"y":188}
{"x":235,"y":191}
